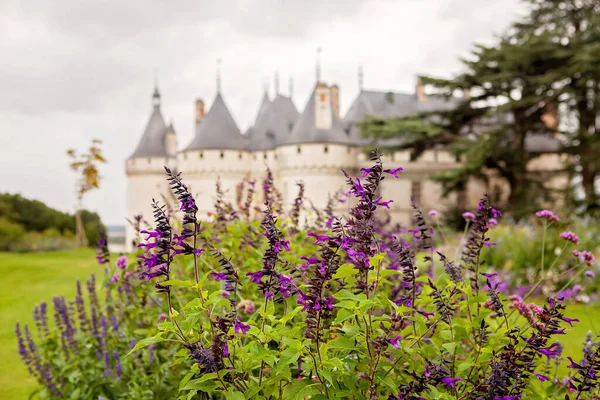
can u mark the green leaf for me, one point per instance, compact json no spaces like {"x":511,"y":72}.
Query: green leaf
{"x":147,"y":342}
{"x":345,"y":271}
{"x":300,"y":390}
{"x":177,"y":282}
{"x":205,"y":383}
{"x":234,"y":396}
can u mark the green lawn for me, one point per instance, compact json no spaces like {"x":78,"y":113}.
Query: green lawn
{"x":28,"y":279}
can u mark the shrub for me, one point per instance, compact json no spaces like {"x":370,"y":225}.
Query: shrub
{"x":354,"y":308}
{"x":10,"y":233}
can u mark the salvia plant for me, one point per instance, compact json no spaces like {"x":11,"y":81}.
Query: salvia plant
{"x":260,"y":304}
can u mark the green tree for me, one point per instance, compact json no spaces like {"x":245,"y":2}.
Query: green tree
{"x":574,"y":29}
{"x":503,"y":102}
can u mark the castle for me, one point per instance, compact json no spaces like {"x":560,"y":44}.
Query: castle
{"x":311,"y":146}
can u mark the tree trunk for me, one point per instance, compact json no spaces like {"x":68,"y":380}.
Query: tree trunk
{"x":80,"y":236}
{"x":588,"y":181}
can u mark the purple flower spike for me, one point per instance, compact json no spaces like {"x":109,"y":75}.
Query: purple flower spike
{"x":570,"y":320}
{"x":219,"y":276}
{"x":426,"y":314}
{"x":122,"y":262}
{"x":394,"y":172}
{"x":115,"y":278}
{"x":318,"y":238}
{"x":366,"y":171}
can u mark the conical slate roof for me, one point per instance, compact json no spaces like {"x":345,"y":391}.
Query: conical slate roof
{"x":152,"y":143}
{"x":305,"y":129}
{"x":218,"y":130}
{"x":274,"y":125}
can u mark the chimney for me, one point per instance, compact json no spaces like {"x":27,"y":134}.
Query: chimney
{"x":323,"y":109}
{"x":199,"y":111}
{"x":420,"y":91}
{"x":466,"y":94}
{"x":335,"y":99}
{"x":550,"y":116}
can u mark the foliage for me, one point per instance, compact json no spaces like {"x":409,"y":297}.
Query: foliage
{"x":513,"y":92}
{"x":41,"y":227}
{"x":348,"y":314}
{"x":86,"y":165}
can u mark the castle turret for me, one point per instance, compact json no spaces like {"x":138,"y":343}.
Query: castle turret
{"x":218,"y":150}
{"x":316,"y":149}
{"x":145,"y":167}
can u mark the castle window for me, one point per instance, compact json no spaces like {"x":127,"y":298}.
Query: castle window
{"x":240,"y":156}
{"x":299,"y":150}
{"x":326,"y":149}
{"x":264,"y":156}
{"x":201,"y":155}
{"x":222,"y":155}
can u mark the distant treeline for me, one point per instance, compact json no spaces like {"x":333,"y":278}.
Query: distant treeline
{"x":30,"y":225}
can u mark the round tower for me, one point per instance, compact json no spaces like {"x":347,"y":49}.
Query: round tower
{"x":145,"y":167}
{"x":218,"y":151}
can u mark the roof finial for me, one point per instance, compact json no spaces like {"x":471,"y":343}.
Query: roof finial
{"x":318,"y":64}
{"x":276,"y":83}
{"x":218,"y":75}
{"x":291,"y":87}
{"x":360,"y":78}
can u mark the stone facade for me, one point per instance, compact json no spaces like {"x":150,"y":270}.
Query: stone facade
{"x":312,"y":146}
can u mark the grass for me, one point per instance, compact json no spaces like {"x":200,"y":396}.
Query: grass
{"x":27,"y":280}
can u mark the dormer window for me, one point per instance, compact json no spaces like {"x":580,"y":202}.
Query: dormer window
{"x":201,"y":155}
{"x":326,"y":149}
{"x":222,"y":155}
{"x":299,"y":150}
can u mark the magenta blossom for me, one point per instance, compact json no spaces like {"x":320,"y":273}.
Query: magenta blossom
{"x":121,"y":262}
{"x":450,"y":381}
{"x":115,"y":278}
{"x":551,"y":351}
{"x":492,"y":222}
{"x":541,"y":377}
{"x":468,"y":216}
{"x":586,"y":256}
{"x":433,"y":212}
{"x":590,"y":274}
{"x":547,"y":214}
{"x":570,"y":236}
{"x":162,"y":317}
{"x":396,"y":342}
{"x":394,"y":171}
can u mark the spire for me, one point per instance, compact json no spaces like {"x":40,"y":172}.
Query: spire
{"x":291,"y":87}
{"x":218,"y":75}
{"x":276,"y":83}
{"x":318,"y":68}
{"x":156,"y":97}
{"x":360,"y":78}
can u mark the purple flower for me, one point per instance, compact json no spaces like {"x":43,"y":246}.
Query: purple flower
{"x":396,"y":341}
{"x":426,"y":314}
{"x":162,"y":317}
{"x":547,"y":214}
{"x":570,"y":236}
{"x":495,"y":213}
{"x":255,"y":277}
{"x":573,"y":364}
{"x":570,"y":320}
{"x":269,"y":295}
{"x":468,"y":216}
{"x":366,"y":171}
{"x":433,"y":212}
{"x":493,"y":222}
{"x":226,"y":350}
{"x":115,"y":278}
{"x":385,"y":204}
{"x":541,"y":377}
{"x":318,"y":238}
{"x":329,"y":303}
{"x":551,"y":351}
{"x":239,"y":326}
{"x":219,"y":276}
{"x":586,"y":256}
{"x":450,"y":381}
{"x":590,"y":274}
{"x":122,"y":262}
{"x":394,"y":171}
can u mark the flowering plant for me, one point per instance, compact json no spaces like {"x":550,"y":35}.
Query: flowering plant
{"x":342,"y":308}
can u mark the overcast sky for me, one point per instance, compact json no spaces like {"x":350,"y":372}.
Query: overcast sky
{"x":73,"y":70}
